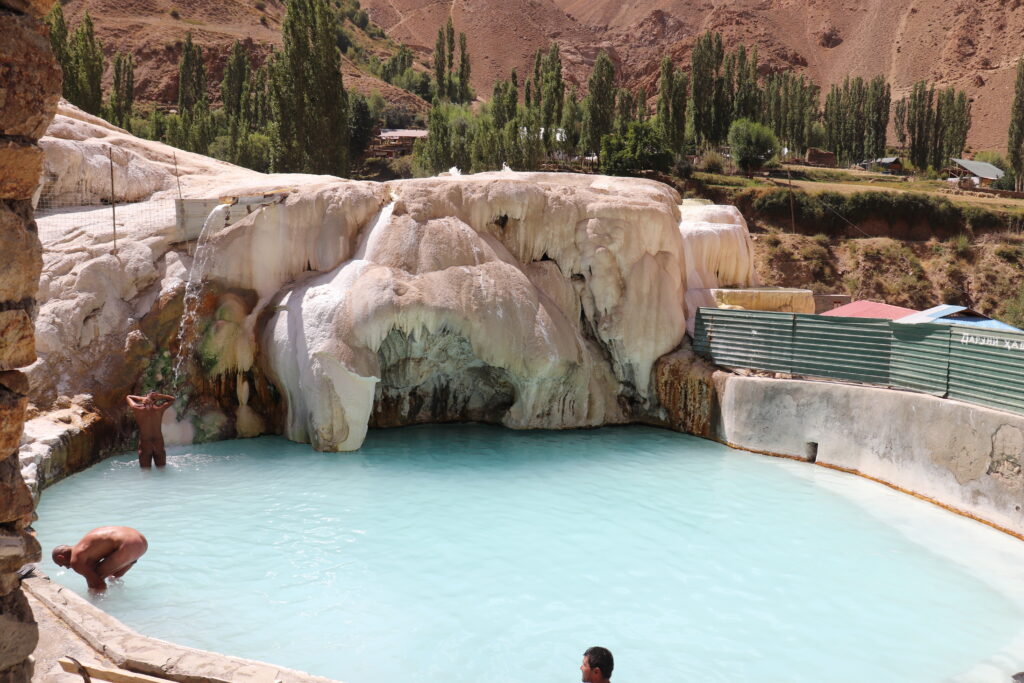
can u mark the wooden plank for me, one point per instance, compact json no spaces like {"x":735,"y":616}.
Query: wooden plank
{"x":104,"y":674}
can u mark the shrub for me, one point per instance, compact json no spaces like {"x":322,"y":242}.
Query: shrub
{"x":682,"y":167}
{"x":752,"y":144}
{"x":712,"y":162}
{"x":641,"y":148}
{"x":260,"y":5}
{"x":174,"y":14}
{"x":961,"y":246}
{"x":1008,"y":253}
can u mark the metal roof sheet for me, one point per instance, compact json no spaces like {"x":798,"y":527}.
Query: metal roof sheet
{"x":980,"y":168}
{"x":986,"y":323}
{"x":949,"y":314}
{"x":932,"y":314}
{"x":870,"y":309}
{"x":403,"y":133}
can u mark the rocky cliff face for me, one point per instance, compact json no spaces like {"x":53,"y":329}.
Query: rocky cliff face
{"x":29,"y":88}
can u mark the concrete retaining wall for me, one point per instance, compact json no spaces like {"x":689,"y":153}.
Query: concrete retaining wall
{"x":960,"y":455}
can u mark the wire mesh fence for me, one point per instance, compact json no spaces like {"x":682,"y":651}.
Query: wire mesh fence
{"x":88,"y":192}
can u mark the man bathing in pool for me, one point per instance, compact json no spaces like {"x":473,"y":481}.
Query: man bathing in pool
{"x":149,"y":411}
{"x":109,"y":551}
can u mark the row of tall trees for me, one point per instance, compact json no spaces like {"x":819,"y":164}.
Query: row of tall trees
{"x":856,"y":118}
{"x":728,"y":86}
{"x":451,"y":81}
{"x":933,"y":124}
{"x":80,"y":56}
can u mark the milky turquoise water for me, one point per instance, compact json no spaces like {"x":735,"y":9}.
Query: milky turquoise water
{"x":471,"y":553}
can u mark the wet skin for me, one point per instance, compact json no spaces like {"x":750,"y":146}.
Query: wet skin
{"x":105,"y":552}
{"x":148,"y":411}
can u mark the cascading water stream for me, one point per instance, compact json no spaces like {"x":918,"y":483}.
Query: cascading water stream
{"x":218,"y":218}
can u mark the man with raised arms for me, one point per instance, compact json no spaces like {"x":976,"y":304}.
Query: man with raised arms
{"x":149,"y":411}
{"x":109,"y":551}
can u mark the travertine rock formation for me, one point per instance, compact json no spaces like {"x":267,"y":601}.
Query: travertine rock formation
{"x":29,"y":88}
{"x":529,"y":300}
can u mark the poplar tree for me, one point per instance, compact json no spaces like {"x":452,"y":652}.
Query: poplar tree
{"x":705,"y":61}
{"x":310,"y":106}
{"x":440,"y":66}
{"x":121,"y":100}
{"x":572,"y":123}
{"x":1015,"y":135}
{"x":551,"y":94}
{"x":236,"y":76}
{"x":191,"y":76}
{"x":86,"y":56}
{"x":672,"y":98}
{"x":451,"y":78}
{"x":920,"y":122}
{"x":900,"y":121}
{"x":465,"y":93}
{"x":599,"y":106}
{"x":59,"y":45}
{"x":877,"y":110}
{"x":625,"y":110}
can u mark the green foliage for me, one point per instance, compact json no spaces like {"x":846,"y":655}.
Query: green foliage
{"x":449,"y":84}
{"x":936,"y":124}
{"x":752,"y":144}
{"x":711,"y":162}
{"x":59,"y":44}
{"x":236,"y":76}
{"x":705,"y":66}
{"x":191,"y":77}
{"x":856,"y":117}
{"x":1015,"y":135}
{"x":308,"y":98}
{"x":826,"y":211}
{"x":1013,"y":311}
{"x":599,"y":105}
{"x":80,"y":57}
{"x":546,"y":93}
{"x":122,"y":93}
{"x":398,"y":70}
{"x":961,"y":246}
{"x":640,"y":148}
{"x":360,"y":125}
{"x":673,"y":92}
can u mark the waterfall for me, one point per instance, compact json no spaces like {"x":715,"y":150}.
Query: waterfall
{"x":218,"y":218}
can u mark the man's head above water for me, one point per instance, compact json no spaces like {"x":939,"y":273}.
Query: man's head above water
{"x":597,"y":665}
{"x":62,"y":556}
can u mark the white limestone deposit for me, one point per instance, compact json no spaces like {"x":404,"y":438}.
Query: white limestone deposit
{"x":719,"y":253}
{"x":532,"y":300}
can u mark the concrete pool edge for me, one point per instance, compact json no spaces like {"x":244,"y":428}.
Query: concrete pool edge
{"x":132,"y":651}
{"x":962,"y":457}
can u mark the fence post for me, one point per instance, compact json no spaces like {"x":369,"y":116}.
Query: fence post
{"x":113,"y":199}
{"x":177,"y":178}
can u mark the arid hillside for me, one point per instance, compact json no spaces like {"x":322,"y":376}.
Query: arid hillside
{"x":972,"y":45}
{"x":153,"y":31}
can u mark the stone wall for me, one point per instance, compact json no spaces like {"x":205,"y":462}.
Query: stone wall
{"x":962,"y":456}
{"x":30,"y":83}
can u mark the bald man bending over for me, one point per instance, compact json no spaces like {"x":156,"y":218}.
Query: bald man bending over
{"x":109,"y":551}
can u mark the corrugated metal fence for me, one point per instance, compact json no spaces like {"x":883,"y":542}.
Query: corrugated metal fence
{"x":965,"y":363}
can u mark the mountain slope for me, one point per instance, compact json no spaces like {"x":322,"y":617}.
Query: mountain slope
{"x":971,"y":45}
{"x":149,"y":30}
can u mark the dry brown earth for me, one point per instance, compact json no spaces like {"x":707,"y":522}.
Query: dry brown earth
{"x":971,"y":45}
